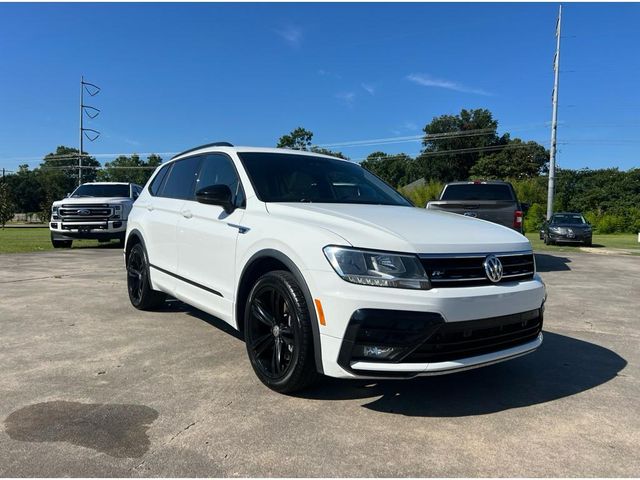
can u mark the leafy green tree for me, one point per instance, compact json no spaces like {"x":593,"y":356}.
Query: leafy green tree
{"x":63,"y":167}
{"x":397,"y":170}
{"x":7,"y":207}
{"x":298,"y":139}
{"x":467,"y":136}
{"x":517,"y":159}
{"x":26,"y":189}
{"x":325,"y":151}
{"x":130,"y":169}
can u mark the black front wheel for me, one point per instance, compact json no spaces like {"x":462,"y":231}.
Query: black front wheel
{"x":278,"y":333}
{"x":141,"y":295}
{"x":57,"y":243}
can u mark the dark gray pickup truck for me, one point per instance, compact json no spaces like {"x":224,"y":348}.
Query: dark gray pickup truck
{"x":494,"y":201}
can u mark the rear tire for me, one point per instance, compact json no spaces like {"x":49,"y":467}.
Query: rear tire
{"x":60,"y":243}
{"x":278,"y":333}
{"x":141,"y":295}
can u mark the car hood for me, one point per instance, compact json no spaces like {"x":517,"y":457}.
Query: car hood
{"x":394,"y":228}
{"x":92,"y":201}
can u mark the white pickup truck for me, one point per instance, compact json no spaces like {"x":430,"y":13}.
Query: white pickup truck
{"x":96,"y":211}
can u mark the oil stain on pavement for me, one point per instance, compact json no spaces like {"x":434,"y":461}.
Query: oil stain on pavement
{"x":115,"y":429}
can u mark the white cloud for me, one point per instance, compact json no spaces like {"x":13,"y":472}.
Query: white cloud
{"x":370,"y":89}
{"x":292,"y":35}
{"x":427,"y":80}
{"x":326,"y":73}
{"x":346,"y":97}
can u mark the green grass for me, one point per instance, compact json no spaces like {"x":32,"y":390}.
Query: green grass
{"x":23,"y":240}
{"x":627,"y":241}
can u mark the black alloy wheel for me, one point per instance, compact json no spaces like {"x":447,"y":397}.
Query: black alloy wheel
{"x":141,"y":295}
{"x":278,"y":333}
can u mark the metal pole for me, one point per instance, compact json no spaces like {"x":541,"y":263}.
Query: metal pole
{"x":554,"y":121}
{"x":81,"y":131}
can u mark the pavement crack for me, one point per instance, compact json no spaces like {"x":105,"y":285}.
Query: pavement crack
{"x":152,"y":453}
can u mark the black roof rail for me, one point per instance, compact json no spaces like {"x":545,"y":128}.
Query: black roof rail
{"x":214,"y":144}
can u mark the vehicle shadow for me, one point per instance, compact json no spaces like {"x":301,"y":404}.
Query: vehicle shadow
{"x":563,"y":366}
{"x":551,"y":263}
{"x":98,"y":245}
{"x":173,"y":305}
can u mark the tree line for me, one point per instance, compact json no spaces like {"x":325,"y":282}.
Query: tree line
{"x":454,"y":147}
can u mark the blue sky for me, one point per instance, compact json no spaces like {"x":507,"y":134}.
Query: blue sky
{"x":174,"y":76}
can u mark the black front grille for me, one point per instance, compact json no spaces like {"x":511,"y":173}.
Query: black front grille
{"x":457,"y":340}
{"x":465,"y":271}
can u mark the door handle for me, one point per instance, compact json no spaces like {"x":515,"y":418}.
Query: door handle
{"x":187,"y":213}
{"x":149,"y":207}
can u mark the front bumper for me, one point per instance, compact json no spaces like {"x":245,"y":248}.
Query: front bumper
{"x":439,"y":306}
{"x":93,"y":230}
{"x":424,"y":344}
{"x":570,"y":237}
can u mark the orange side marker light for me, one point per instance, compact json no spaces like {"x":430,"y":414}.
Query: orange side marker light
{"x":320,"y":312}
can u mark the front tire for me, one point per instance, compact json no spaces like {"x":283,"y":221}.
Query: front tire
{"x":60,"y":243}
{"x":278,"y":333}
{"x":141,"y":295}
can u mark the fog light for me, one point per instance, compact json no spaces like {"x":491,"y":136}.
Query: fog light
{"x":117,"y":224}
{"x":378,"y":352}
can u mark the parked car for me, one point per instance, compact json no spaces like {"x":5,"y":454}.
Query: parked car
{"x":566,"y":227}
{"x":326,"y":269}
{"x":96,"y":211}
{"x":494,"y":201}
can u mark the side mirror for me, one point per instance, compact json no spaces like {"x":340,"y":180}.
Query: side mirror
{"x":67,"y":195}
{"x":525,"y":207}
{"x":217,"y":195}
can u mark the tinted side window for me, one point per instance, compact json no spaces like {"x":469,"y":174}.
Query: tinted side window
{"x":219,"y":170}
{"x":182,"y":178}
{"x":156,"y":184}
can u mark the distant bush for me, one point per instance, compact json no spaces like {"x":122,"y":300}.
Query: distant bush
{"x":534,"y":217}
{"x":422,"y":194}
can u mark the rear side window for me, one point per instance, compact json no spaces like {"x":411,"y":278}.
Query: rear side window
{"x":478,"y":191}
{"x":156,"y":184}
{"x":181,"y":180}
{"x":217,"y":169}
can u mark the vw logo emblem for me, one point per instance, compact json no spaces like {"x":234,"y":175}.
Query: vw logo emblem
{"x":493,"y":268}
{"x":84,"y":212}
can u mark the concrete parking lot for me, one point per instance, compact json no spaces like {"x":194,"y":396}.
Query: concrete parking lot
{"x":91,"y":387}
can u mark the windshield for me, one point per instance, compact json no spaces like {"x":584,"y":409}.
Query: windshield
{"x":99,"y":190}
{"x":569,"y":219}
{"x":478,"y":191}
{"x":281,"y":177}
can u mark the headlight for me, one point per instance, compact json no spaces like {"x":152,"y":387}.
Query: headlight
{"x":555,"y":229}
{"x":378,"y":268}
{"x":116,"y":211}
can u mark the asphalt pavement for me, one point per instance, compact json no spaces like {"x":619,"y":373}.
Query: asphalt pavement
{"x":89,"y":386}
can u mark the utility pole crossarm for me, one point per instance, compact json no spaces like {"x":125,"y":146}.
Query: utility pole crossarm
{"x":554,"y":119}
{"x":92,"y":112}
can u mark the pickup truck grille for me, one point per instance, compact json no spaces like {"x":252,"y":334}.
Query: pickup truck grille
{"x":468,"y":270}
{"x":457,"y":340}
{"x":85,"y":212}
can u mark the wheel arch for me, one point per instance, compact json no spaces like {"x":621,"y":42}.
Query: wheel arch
{"x":264,"y":261}
{"x":133,"y":238}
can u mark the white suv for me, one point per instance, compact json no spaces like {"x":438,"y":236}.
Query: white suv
{"x":328,"y":270}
